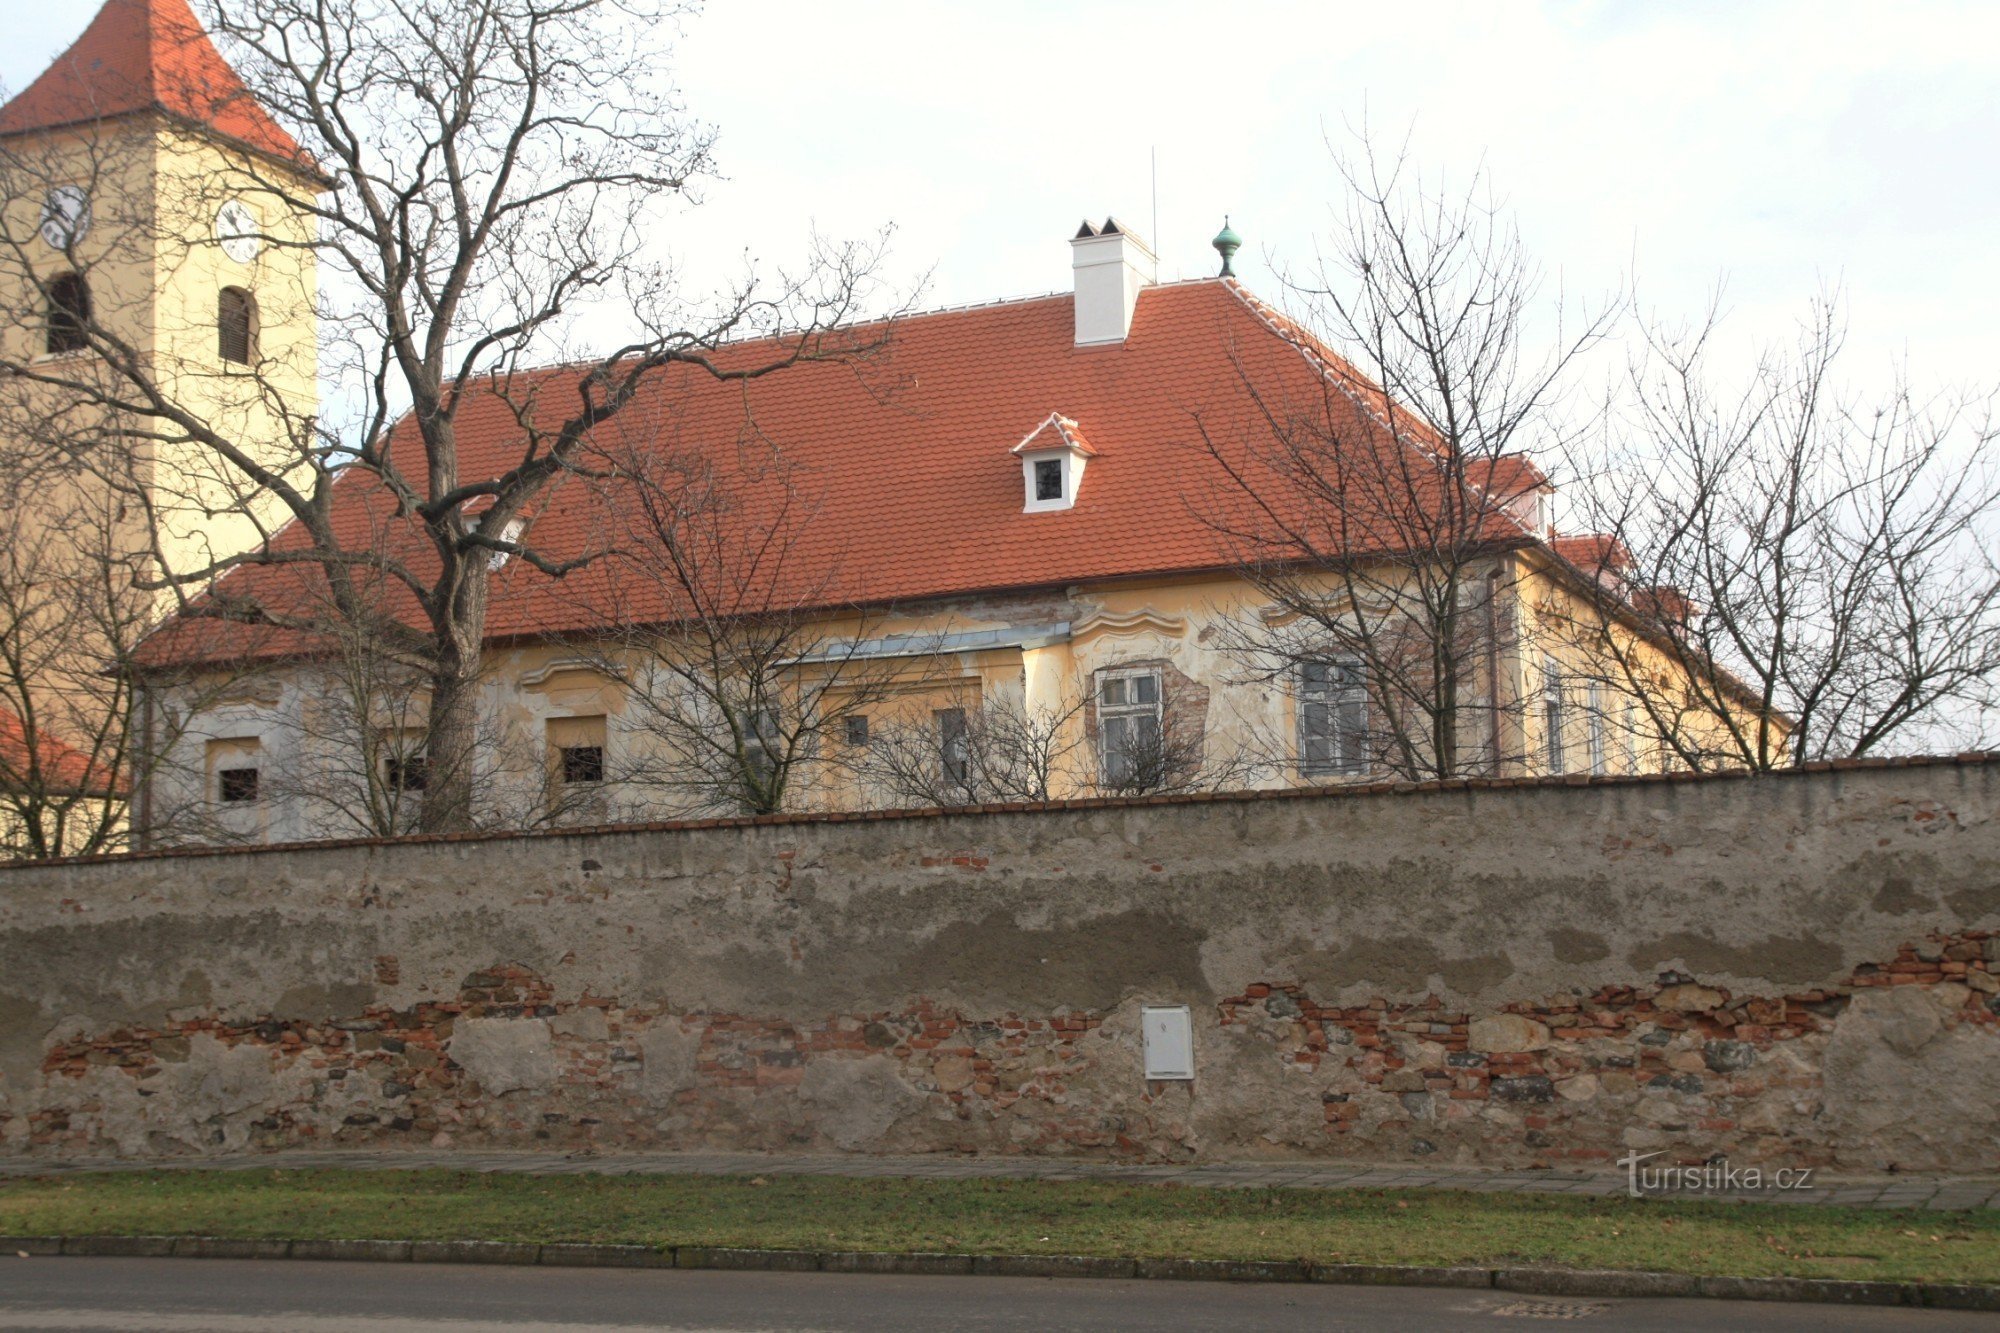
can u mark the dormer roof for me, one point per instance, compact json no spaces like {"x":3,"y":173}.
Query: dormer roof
{"x":148,"y":55}
{"x":1056,"y":432}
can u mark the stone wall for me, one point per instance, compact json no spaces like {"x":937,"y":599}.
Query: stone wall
{"x":1799,"y":969}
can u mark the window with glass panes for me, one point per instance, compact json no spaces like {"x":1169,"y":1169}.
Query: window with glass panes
{"x":1128,"y":723}
{"x":1333,"y":718}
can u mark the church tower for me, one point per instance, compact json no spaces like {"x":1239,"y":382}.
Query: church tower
{"x":157,"y":282}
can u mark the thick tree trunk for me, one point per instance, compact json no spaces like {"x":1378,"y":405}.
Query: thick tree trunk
{"x":452,"y":748}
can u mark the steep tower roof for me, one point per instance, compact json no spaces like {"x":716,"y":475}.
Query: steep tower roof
{"x":147,"y":55}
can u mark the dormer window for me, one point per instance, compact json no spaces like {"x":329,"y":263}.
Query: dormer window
{"x":1052,"y":462}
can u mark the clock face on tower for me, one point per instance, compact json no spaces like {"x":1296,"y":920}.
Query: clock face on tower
{"x":237,"y":228}
{"x":65,"y":216}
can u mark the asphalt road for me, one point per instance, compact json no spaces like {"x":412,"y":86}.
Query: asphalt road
{"x":77,"y":1295}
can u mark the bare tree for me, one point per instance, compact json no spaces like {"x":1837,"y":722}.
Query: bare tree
{"x":77,"y":735}
{"x":740,"y":665}
{"x":1374,"y":510}
{"x":981,"y":751}
{"x":1815,"y":571}
{"x":977,"y":749}
{"x":473,"y":175}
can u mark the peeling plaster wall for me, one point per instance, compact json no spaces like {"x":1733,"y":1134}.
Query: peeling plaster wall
{"x":1798,"y":969}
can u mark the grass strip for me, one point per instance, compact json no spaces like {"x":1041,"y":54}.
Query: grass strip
{"x":1086,"y":1217}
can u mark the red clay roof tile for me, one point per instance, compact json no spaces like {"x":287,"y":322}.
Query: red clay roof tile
{"x":53,"y":764}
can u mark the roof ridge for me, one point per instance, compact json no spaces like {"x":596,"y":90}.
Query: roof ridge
{"x":752,"y":339}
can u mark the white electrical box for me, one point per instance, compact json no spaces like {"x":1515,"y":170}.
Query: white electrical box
{"x":1169,"y":1032}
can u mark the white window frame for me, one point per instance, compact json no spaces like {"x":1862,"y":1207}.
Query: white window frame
{"x":1552,"y":718}
{"x":1347,"y":754}
{"x":1072,"y":479}
{"x":1109,"y":713}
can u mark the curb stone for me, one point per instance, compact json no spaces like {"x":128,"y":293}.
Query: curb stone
{"x":376,"y":1251}
{"x":1224,"y":1270}
{"x":1051,"y":1265}
{"x":567,"y":1254}
{"x":1955,"y":1296}
{"x":474,"y":1252}
{"x":1607,"y":1282}
{"x":1539,"y":1281}
{"x":129,"y":1247}
{"x":1827,"y":1291}
{"x":226,"y":1247}
{"x":929,"y":1265}
{"x":764,"y":1261}
{"x":1401,"y":1275}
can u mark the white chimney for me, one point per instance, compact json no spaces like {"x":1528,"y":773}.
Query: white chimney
{"x":1111,"y":265}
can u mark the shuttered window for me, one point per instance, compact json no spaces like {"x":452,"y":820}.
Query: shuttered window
{"x":235,"y":326}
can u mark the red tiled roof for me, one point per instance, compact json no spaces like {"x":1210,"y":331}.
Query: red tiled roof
{"x":1593,"y":552}
{"x":907,"y":462}
{"x":147,"y":55}
{"x":55,"y":765}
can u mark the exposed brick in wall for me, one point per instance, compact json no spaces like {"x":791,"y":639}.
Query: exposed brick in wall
{"x":1681,"y":1067}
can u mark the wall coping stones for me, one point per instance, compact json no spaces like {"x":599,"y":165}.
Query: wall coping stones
{"x":1538,"y":1281}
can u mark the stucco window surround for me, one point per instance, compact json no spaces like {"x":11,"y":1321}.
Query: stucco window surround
{"x":1332,"y":718}
{"x":576,"y":751}
{"x":235,"y":770}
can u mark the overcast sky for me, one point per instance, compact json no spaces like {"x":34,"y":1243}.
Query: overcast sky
{"x":1774,"y":145}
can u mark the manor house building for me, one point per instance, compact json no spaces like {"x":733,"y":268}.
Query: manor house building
{"x":1042,"y":507}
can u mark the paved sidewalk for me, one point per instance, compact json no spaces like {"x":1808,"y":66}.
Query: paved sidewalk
{"x":1950,"y":1193}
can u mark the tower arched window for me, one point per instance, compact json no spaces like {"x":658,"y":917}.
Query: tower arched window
{"x":236,"y":326}
{"x":69,"y":313}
